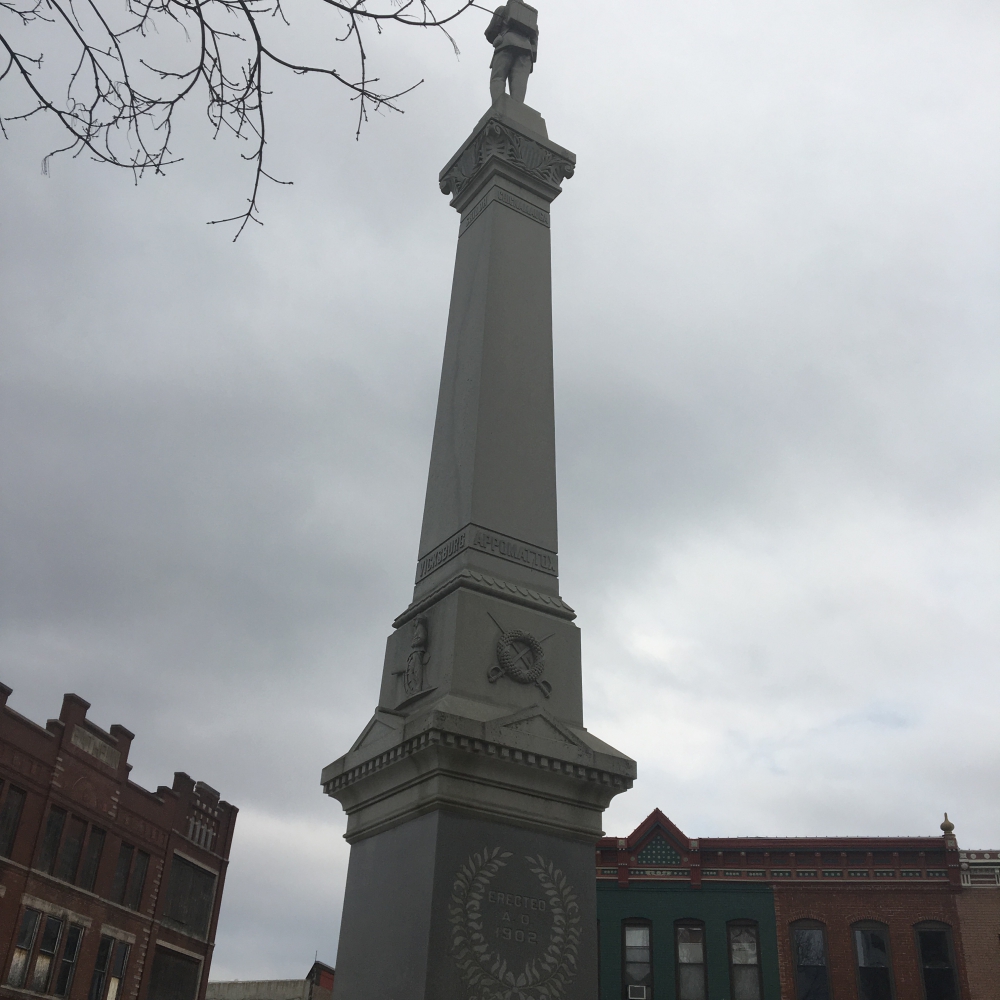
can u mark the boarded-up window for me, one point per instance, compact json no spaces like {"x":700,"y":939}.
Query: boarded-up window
{"x":190,"y":894}
{"x":91,"y":858}
{"x":10,"y":816}
{"x":122,"y":869}
{"x":50,"y":840}
{"x":134,"y":895}
{"x":175,"y":977}
{"x":69,"y":856}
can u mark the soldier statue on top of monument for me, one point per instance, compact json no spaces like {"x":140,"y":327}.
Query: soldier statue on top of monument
{"x":513,"y":32}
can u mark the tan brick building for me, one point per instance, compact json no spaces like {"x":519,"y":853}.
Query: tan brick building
{"x":318,"y":985}
{"x":107,"y":891}
{"x":979,"y":914}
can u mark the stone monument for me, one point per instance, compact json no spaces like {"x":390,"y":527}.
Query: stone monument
{"x":474,"y":795}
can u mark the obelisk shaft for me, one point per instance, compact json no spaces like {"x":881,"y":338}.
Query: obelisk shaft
{"x":474,"y":795}
{"x":493,"y":456}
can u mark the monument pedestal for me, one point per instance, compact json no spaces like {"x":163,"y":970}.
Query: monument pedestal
{"x":474,"y":795}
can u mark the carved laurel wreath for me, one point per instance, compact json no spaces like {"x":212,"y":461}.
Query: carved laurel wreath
{"x":485,"y":972}
{"x":512,"y":665}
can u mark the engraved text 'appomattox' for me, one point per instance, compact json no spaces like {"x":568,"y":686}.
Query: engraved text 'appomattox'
{"x":493,"y":543}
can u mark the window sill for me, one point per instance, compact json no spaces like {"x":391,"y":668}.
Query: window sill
{"x":171,"y":925}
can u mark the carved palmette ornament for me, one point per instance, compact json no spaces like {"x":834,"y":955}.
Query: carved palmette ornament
{"x":497,"y":140}
{"x":521,"y":658}
{"x":484,"y":970}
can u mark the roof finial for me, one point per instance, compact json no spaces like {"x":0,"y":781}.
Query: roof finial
{"x":947,"y":826}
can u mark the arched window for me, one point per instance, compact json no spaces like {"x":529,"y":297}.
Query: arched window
{"x":744,"y":960}
{"x":874,"y":959}
{"x":812,"y":981}
{"x":937,"y":961}
{"x":637,"y":963}
{"x":692,"y":981}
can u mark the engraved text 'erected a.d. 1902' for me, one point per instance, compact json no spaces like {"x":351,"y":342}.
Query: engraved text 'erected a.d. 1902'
{"x":515,"y":926}
{"x":483,"y":540}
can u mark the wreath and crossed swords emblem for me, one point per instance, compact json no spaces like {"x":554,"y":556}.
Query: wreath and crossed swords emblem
{"x":520,"y":657}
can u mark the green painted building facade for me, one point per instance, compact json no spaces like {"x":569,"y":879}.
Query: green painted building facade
{"x":665,"y":907}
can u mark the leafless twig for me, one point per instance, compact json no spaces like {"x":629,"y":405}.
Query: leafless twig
{"x":119,"y":108}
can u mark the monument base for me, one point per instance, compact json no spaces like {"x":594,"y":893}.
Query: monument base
{"x":448,"y":907}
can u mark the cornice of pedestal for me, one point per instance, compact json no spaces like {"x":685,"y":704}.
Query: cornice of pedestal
{"x":558,"y":783}
{"x":510,"y":141}
{"x":493,"y":586}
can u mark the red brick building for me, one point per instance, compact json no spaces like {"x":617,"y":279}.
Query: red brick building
{"x":814,"y":918}
{"x":107,"y":891}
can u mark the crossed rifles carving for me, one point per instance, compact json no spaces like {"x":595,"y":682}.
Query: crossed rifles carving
{"x":520,"y":657}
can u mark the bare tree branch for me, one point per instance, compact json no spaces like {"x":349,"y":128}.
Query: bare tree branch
{"x":119,"y":105}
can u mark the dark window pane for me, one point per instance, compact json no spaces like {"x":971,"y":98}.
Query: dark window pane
{"x":934,"y":949}
{"x":809,"y":947}
{"x":874,"y":977}
{"x":811,"y":983}
{"x":174,"y":977}
{"x":70,"y":951}
{"x":636,"y":936}
{"x":22,"y":948}
{"x":746,"y":982}
{"x":50,"y":840}
{"x":189,"y":896}
{"x":637,"y":970}
{"x":51,"y":932}
{"x":100,"y":968}
{"x":874,"y":983}
{"x":743,"y":945}
{"x":873,"y":948}
{"x":940,"y":984}
{"x":92,"y":858}
{"x":26,"y":934}
{"x":121,"y":957}
{"x":134,"y":896}
{"x":50,"y":936}
{"x":125,"y":853}
{"x":935,"y":957}
{"x":691,"y":982}
{"x":117,"y":970}
{"x":690,"y":945}
{"x":10,"y":817}
{"x":69,"y":856}
{"x":691,"y":979}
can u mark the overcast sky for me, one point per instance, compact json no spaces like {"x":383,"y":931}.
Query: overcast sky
{"x":776,"y":281}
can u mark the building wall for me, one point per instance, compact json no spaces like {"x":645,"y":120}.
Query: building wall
{"x":318,"y":985}
{"x":979,"y":915}
{"x":663,"y":904}
{"x":838,"y":907}
{"x":265,"y":989}
{"x":657,"y":872}
{"x":73,"y":765}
